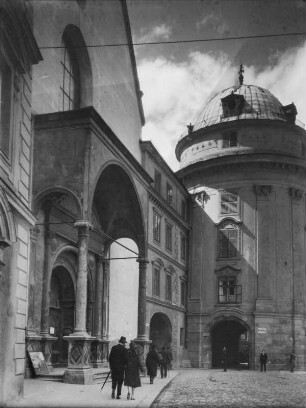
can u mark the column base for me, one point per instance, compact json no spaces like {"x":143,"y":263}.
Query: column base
{"x":33,"y":343}
{"x":78,"y":376}
{"x":47,"y":344}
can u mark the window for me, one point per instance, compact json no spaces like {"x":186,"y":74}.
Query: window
{"x":228,"y":291}
{"x":229,"y":202}
{"x":71,"y":78}
{"x":182,"y":336}
{"x":183,"y":209}
{"x":157,"y":181}
{"x":5,"y":107}
{"x":183,"y":248}
{"x":156,"y":226}
{"x":228,"y":240}
{"x":183,"y":293}
{"x":168,"y":236}
{"x":229,"y":139}
{"x":156,"y":282}
{"x":169,"y":193}
{"x":168,"y":287}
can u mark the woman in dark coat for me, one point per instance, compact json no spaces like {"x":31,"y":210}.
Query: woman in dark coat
{"x":152,"y":362}
{"x":132,"y":378}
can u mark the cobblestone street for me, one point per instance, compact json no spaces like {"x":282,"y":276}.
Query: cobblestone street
{"x":215,"y":388}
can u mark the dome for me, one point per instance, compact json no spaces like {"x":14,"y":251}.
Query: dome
{"x":243,"y":102}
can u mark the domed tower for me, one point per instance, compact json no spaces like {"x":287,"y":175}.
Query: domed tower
{"x":244,"y":164}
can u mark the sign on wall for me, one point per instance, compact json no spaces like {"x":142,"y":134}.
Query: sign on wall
{"x":38,"y":362}
{"x":261,"y":330}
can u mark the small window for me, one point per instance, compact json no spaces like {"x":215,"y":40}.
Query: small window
{"x":183,"y":209}
{"x":229,"y":203}
{"x":169,"y":193}
{"x":156,"y":282}
{"x":5,"y":107}
{"x":182,"y":336}
{"x":168,"y":287}
{"x":156,"y":226}
{"x":168,"y":236}
{"x":228,"y":291}
{"x":157,"y":181}
{"x":228,"y":240}
{"x":183,"y":248}
{"x":183,"y":293}
{"x":229,"y":140}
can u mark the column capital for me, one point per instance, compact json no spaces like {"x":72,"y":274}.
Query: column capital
{"x":263,"y":190}
{"x":83,"y":224}
{"x":142,"y":260}
{"x":34,"y":231}
{"x":296,"y":194}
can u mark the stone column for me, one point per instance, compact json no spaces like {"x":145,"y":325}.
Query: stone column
{"x":33,"y":339}
{"x":79,"y":370}
{"x":263,"y":247}
{"x":97,"y":345}
{"x":105,"y":313}
{"x":142,"y":340}
{"x":46,"y":340}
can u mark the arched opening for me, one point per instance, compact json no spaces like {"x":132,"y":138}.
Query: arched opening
{"x":160,"y":330}
{"x":123,"y":288}
{"x":62,"y":311}
{"x":235,"y":337}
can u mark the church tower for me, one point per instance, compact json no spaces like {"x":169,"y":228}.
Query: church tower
{"x":243,"y":162}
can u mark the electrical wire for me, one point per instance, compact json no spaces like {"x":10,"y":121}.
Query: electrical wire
{"x":246,"y":37}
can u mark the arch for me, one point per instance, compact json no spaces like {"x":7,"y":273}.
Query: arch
{"x":74,"y":39}
{"x":158,"y":263}
{"x":160,"y":330}
{"x":117,"y":202}
{"x":7,"y":225}
{"x":233,"y":333}
{"x":56,"y":193}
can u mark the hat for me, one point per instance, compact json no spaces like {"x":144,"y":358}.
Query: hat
{"x":122,"y":340}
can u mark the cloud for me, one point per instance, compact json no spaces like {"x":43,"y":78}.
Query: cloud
{"x":157,"y":33}
{"x":175,"y":92}
{"x":213,"y":23}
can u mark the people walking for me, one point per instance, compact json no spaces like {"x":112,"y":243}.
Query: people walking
{"x":132,"y":378}
{"x":263,"y":361}
{"x":292,"y":361}
{"x":170,"y":358}
{"x":152,"y":362}
{"x":164,"y":363}
{"x":224,"y":358}
{"x":118,"y":359}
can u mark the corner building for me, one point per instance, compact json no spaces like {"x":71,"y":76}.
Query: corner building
{"x":243,"y":162}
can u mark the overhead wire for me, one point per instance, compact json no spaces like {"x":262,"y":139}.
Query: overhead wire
{"x":244,"y":37}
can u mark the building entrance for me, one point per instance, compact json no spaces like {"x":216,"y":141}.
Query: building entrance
{"x":160,"y":330}
{"x":61,"y":316}
{"x":234,"y":336}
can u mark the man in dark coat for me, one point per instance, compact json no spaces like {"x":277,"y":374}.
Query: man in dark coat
{"x":165,"y":360}
{"x":118,"y":359}
{"x":263,"y":360}
{"x":224,"y":358}
{"x":152,"y":361}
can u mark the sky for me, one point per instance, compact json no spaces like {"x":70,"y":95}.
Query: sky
{"x":179,"y":78}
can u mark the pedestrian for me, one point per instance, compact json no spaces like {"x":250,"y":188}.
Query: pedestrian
{"x":170,"y":358}
{"x":164,"y":363}
{"x":134,"y":365}
{"x":263,"y":360}
{"x":224,"y":358}
{"x":118,"y":359}
{"x":152,"y":362}
{"x":292,"y":361}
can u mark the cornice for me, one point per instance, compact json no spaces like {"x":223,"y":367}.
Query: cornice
{"x":166,"y":256}
{"x":166,"y":304}
{"x":169,"y":211}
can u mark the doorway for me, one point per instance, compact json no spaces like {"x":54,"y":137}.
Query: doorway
{"x":160,"y":330}
{"x":235,"y":337}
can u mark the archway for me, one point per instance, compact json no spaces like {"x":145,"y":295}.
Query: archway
{"x":235,"y":336}
{"x":160,"y":330}
{"x":61,"y":315}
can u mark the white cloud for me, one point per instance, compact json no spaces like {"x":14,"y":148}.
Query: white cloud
{"x":155,"y":34}
{"x":213,"y":23}
{"x":174,"y":92}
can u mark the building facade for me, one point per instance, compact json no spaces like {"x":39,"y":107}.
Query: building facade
{"x":243,"y":162}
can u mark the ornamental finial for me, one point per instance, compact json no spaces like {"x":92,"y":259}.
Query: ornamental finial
{"x":240,"y":72}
